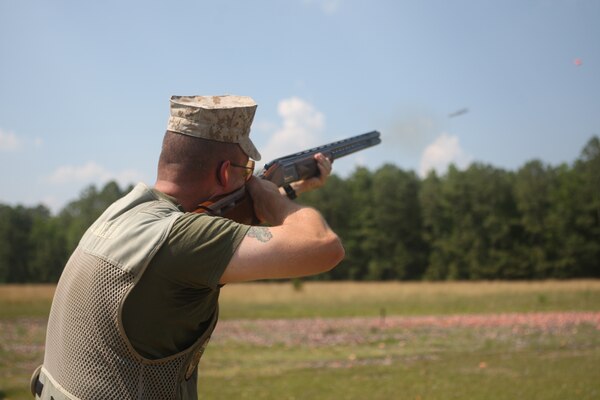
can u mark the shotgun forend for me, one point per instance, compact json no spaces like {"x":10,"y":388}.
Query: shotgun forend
{"x":302,"y":165}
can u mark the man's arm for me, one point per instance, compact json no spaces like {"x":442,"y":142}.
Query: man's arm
{"x":298,"y":243}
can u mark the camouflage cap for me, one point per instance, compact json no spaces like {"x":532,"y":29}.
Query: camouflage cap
{"x":221,"y":118}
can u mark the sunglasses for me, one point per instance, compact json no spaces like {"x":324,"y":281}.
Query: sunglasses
{"x":248,"y":169}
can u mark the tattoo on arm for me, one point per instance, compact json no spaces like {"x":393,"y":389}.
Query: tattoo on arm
{"x":261,"y":233}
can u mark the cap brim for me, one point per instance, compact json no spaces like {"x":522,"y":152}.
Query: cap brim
{"x":249,"y":148}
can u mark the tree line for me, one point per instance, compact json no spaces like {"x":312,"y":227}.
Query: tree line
{"x":538,"y":222}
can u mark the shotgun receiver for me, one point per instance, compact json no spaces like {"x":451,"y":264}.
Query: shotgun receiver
{"x":283,"y":171}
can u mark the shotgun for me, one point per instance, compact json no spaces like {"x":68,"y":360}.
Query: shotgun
{"x":283,"y":171}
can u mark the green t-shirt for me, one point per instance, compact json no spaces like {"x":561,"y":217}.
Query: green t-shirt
{"x":172,"y":304}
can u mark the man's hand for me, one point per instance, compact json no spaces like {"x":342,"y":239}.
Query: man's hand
{"x":325,"y":166}
{"x":269,"y":205}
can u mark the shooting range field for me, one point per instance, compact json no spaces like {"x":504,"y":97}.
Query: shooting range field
{"x":313,"y":340}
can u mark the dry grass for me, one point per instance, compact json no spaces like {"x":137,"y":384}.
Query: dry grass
{"x":26,"y":293}
{"x":348,"y":299}
{"x":323,"y":291}
{"x":17,"y":301}
{"x":264,"y":293}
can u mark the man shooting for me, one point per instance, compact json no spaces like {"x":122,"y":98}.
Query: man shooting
{"x":138,"y":299}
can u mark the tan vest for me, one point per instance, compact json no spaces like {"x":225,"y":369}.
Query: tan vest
{"x":88,"y":355}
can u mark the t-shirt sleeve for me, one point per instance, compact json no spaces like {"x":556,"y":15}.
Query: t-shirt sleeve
{"x":198,"y":249}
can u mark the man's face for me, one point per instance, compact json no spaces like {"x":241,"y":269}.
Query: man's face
{"x":240,"y":168}
{"x":241,"y":172}
{"x":246,"y":169}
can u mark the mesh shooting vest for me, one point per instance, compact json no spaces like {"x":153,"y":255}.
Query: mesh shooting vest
{"x":88,"y":355}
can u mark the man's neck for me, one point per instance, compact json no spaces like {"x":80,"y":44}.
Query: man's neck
{"x":188,"y":196}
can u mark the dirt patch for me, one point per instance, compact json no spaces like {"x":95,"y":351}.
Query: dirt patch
{"x":27,"y":335}
{"x":348,"y":331}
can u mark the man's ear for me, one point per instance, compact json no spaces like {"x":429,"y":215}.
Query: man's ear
{"x":223,"y":173}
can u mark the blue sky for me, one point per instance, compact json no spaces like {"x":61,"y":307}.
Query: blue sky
{"x":85,"y":86}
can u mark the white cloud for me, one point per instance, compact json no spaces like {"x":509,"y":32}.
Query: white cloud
{"x":444,"y":151}
{"x":327,"y":6}
{"x":92,"y":172}
{"x":69,"y":173}
{"x":264,"y":126}
{"x":302,"y":125}
{"x":9,"y":141}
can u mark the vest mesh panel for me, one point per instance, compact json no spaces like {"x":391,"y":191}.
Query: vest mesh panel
{"x":84,"y":340}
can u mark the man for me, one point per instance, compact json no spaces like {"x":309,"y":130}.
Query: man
{"x":138,"y":299}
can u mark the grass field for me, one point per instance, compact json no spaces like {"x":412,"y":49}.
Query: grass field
{"x":487,"y":340}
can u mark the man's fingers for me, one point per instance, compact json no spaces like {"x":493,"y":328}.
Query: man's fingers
{"x":324,"y":164}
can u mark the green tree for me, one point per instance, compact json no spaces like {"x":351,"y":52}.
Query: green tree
{"x":534,"y":182}
{"x":79,"y":215}
{"x":574,"y":219}
{"x":454,"y":237}
{"x":360,"y":241}
{"x":469,"y":225}
{"x":333,"y":201}
{"x":15,"y":228}
{"x":48,"y":248}
{"x":588,"y":167}
{"x":437,"y":226}
{"x":565,"y":242}
{"x":5,"y":243}
{"x":347,"y":207}
{"x":399,"y":248}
